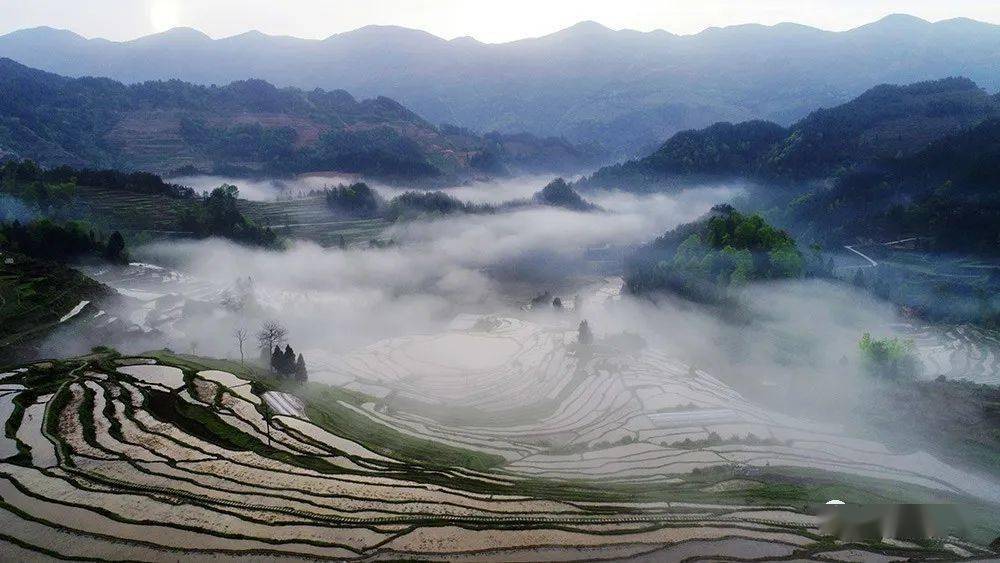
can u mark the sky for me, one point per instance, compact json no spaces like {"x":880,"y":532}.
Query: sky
{"x":491,"y":21}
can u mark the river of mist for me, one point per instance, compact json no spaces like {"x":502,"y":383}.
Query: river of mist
{"x":796,"y":351}
{"x":334,"y":300}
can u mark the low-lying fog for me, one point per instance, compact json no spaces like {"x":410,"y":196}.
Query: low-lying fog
{"x":332,"y":299}
{"x":800,"y":344}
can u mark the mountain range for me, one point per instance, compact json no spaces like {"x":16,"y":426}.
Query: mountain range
{"x":249,"y":127}
{"x":625,"y":89}
{"x":913,"y":161}
{"x":888,"y":122}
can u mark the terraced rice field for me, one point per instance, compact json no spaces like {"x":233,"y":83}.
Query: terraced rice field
{"x":155,"y":301}
{"x":167,"y":457}
{"x":36,"y":297}
{"x":130,"y":211}
{"x":302,"y":218}
{"x":529,"y":394}
{"x":957,"y":352}
{"x":309,"y":218}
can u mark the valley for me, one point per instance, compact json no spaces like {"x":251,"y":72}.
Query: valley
{"x":451,"y":425}
{"x":591,"y":295}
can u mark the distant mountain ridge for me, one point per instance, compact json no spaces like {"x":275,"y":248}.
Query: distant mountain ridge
{"x":248,"y":127}
{"x":885,"y":123}
{"x":625,"y":89}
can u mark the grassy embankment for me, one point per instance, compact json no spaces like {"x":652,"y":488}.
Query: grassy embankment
{"x":34,"y":296}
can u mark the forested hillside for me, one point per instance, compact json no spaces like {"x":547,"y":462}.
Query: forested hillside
{"x":723,"y":150}
{"x":921,"y":160}
{"x":945,"y":194}
{"x":723,"y":251}
{"x":887,"y":122}
{"x":248,"y":127}
{"x":57,"y":213}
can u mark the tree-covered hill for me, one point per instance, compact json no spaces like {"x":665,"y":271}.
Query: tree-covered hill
{"x":945,"y":194}
{"x":359,"y":201}
{"x":31,"y":194}
{"x":248,"y":127}
{"x":723,"y":150}
{"x":885,"y":123}
{"x":35,"y":296}
{"x":558,"y":193}
{"x":725,"y":250}
{"x":921,"y":160}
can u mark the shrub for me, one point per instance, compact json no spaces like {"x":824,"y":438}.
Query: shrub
{"x":889,"y":358}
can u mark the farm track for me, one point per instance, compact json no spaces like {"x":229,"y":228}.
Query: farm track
{"x":871,"y":263}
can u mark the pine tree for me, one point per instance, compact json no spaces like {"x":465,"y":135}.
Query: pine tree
{"x":288,"y":361}
{"x":115,"y":251}
{"x":301,"y":374}
{"x":276,"y":360}
{"x":585,"y":337}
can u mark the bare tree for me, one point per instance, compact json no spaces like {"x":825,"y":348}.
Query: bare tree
{"x":271,"y":334}
{"x":239,"y":297}
{"x":241,"y":336}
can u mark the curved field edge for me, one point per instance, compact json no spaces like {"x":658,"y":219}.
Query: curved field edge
{"x":415,"y":461}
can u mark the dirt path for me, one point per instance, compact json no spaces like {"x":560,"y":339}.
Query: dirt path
{"x":871,"y":262}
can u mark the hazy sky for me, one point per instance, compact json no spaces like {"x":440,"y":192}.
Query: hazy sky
{"x":487,"y":20}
